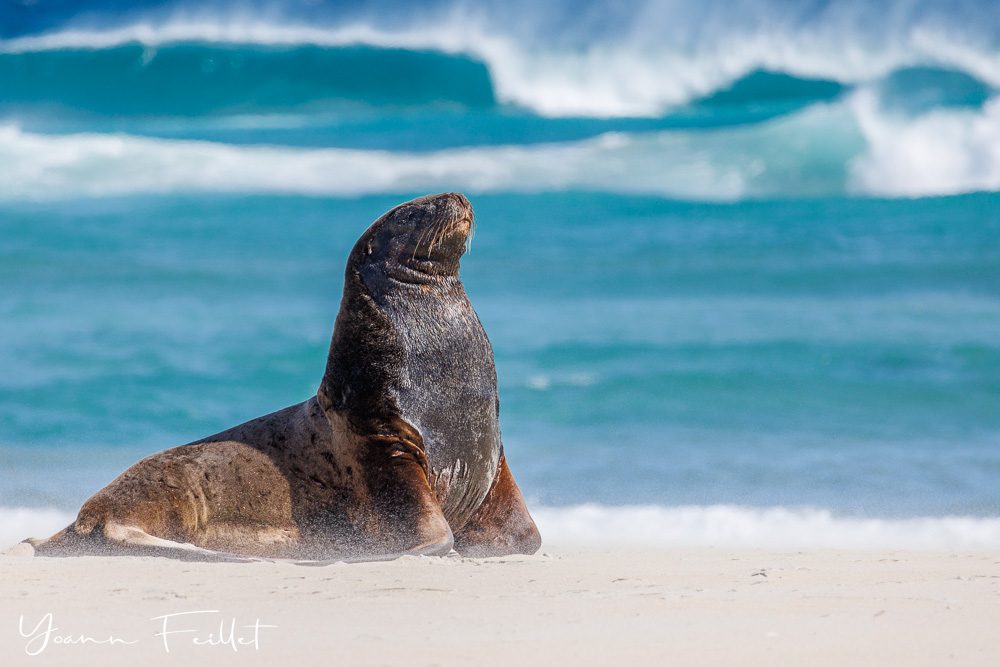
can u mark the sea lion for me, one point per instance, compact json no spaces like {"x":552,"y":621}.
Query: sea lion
{"x":399,"y":451}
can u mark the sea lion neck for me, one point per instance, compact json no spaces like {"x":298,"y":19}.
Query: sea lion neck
{"x":379,"y":313}
{"x":401,"y":286}
{"x":384,"y":282}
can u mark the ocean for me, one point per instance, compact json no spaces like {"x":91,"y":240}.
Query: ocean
{"x":739,"y":262}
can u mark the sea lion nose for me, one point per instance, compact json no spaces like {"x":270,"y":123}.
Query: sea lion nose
{"x":460,"y":199}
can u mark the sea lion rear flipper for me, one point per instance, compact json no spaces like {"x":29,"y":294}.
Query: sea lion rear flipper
{"x":117,"y":539}
{"x":136,"y":541}
{"x":67,"y":542}
{"x":502,"y":525}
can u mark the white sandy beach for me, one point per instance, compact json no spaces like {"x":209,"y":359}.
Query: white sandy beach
{"x":648,"y":606}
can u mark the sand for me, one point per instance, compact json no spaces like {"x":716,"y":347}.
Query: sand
{"x":655,"y":607}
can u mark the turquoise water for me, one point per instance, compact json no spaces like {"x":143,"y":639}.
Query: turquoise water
{"x":762,"y":283}
{"x":839,"y":353}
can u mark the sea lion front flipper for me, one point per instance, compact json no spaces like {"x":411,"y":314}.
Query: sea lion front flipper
{"x":404,"y":517}
{"x":502,"y":525}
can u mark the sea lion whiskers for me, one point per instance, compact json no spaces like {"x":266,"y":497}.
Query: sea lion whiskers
{"x":472,"y":232}
{"x":438,"y":237}
{"x":420,"y":239}
{"x":434,"y":235}
{"x":454,"y":227}
{"x":433,"y":231}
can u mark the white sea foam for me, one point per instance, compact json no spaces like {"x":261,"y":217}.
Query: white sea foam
{"x":592,"y":525}
{"x":665,"y":54}
{"x":34,"y":166}
{"x":18,"y":523}
{"x":946,"y":151}
{"x":792,"y":154}
{"x":735,"y":526}
{"x":544,"y":382}
{"x":852,"y":147}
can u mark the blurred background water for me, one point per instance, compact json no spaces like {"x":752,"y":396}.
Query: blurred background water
{"x":740,"y":262}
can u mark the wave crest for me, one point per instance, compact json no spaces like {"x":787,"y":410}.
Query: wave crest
{"x":652,"y":56}
{"x":937,"y":153}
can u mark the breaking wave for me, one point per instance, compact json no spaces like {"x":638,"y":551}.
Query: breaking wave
{"x":564,"y":59}
{"x":693,"y":100}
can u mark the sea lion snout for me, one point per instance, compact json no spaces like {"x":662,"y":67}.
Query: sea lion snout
{"x":447,"y":208}
{"x":428,"y":235}
{"x":457,"y":199}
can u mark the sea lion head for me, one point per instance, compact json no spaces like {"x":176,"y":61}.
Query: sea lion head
{"x":419,"y":241}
